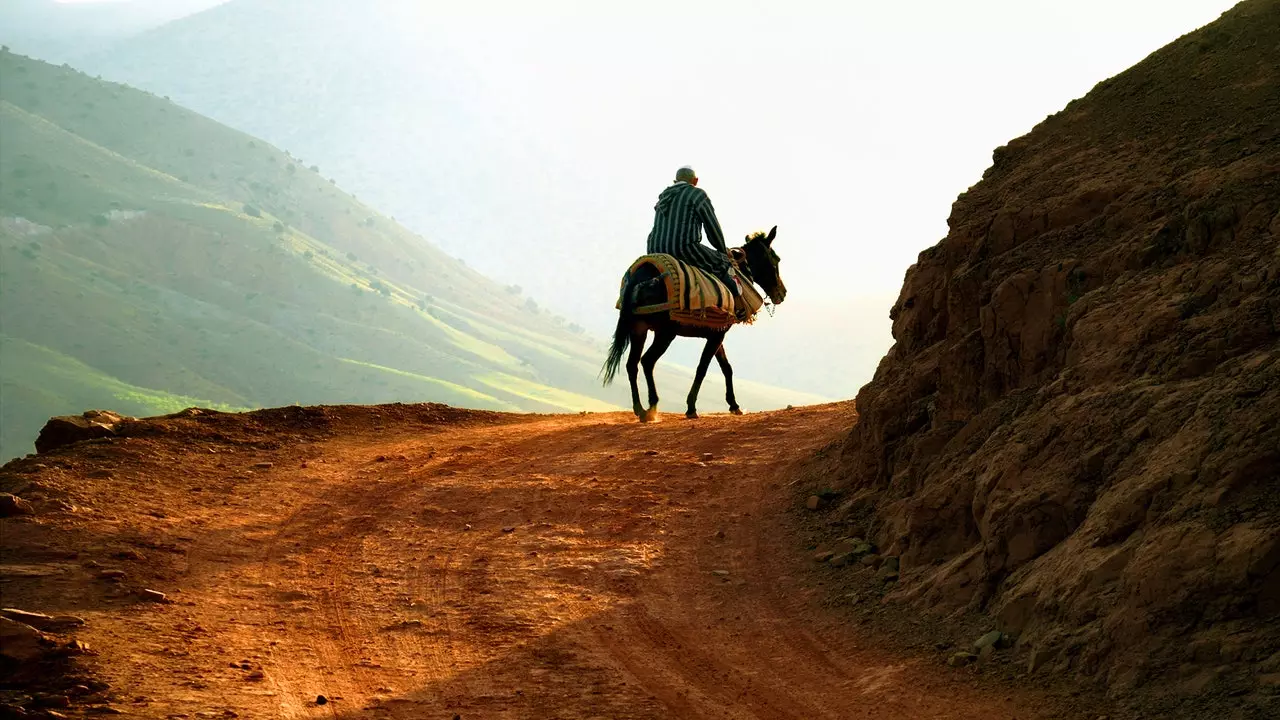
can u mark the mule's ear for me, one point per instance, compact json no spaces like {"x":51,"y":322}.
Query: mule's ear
{"x":772,"y":234}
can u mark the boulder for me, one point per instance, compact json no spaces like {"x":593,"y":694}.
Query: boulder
{"x":68,"y":429}
{"x":22,"y":643}
{"x":12,"y":505}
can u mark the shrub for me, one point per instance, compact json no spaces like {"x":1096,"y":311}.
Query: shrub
{"x":315,"y":168}
{"x":308,"y":254}
{"x":278,"y":226}
{"x":351,"y":256}
{"x":252,"y":211}
{"x":189,"y":152}
{"x":514,"y":289}
{"x":99,"y":220}
{"x":291,"y":168}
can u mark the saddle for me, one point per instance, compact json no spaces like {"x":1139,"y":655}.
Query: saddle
{"x":694,"y":297}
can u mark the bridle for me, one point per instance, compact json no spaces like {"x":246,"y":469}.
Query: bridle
{"x":743,"y":268}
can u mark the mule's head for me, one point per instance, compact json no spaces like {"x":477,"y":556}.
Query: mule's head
{"x":762,"y":264}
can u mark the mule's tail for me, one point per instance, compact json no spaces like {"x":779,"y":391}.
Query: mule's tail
{"x":622,"y":335}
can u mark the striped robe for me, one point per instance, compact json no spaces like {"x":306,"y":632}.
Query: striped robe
{"x":681,"y":213}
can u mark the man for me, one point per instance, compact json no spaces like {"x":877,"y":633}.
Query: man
{"x":682,"y":211}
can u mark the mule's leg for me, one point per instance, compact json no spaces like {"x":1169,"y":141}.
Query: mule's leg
{"x":638,"y":337}
{"x":704,"y":362}
{"x":727,"y":369}
{"x":661,"y":341}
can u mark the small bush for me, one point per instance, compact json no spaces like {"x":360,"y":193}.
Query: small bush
{"x":189,"y":152}
{"x":278,"y":226}
{"x":351,"y":256}
{"x":315,"y":168}
{"x":252,"y":211}
{"x":99,"y":220}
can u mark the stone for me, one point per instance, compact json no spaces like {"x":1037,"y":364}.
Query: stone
{"x":509,"y":529}
{"x":155,"y":596}
{"x":871,"y":560}
{"x":708,"y":457}
{"x":1039,"y":657}
{"x":991,"y":640}
{"x":841,"y":560}
{"x":20,"y":642}
{"x":823,"y":556}
{"x":322,"y":700}
{"x":256,"y":675}
{"x":12,"y":506}
{"x":68,"y":429}
{"x":264,"y":465}
{"x":892,"y":562}
{"x":54,"y":701}
{"x":104,"y":710}
{"x":813,"y":502}
{"x":112,"y":574}
{"x":40,"y":621}
{"x":651,"y":452}
{"x":961,"y":659}
{"x":887,"y":573}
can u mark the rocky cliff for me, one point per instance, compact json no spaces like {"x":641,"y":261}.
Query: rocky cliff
{"x":1078,"y":428}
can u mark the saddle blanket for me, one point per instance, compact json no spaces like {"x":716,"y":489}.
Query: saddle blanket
{"x":694,"y":297}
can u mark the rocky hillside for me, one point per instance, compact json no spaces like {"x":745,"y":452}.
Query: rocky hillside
{"x":1078,"y":428}
{"x":152,"y":259}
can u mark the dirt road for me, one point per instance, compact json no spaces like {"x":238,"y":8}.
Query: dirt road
{"x":472,"y":566}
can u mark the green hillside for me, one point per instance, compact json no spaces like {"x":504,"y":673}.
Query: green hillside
{"x":150,"y":258}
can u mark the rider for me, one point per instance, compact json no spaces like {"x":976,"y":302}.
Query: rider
{"x":682,"y":211}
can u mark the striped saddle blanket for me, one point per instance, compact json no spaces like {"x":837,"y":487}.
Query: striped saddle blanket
{"x":693,"y":296}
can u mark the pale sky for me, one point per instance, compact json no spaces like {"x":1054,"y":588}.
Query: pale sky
{"x":852,"y":126}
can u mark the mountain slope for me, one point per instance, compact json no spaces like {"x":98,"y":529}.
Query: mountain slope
{"x":168,"y":252}
{"x":1078,"y":429}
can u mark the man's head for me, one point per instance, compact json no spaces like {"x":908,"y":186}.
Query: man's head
{"x":686,"y":174}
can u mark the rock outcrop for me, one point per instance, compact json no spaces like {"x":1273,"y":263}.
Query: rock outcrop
{"x":1078,"y":427}
{"x":67,"y":429}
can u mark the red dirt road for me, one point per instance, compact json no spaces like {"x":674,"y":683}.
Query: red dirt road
{"x":545,"y":567}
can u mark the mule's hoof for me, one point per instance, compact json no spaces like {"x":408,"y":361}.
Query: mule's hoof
{"x":691,"y":415}
{"x":651,"y":415}
{"x":736,"y":411}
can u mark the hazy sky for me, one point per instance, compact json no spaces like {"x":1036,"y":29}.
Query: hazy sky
{"x":852,"y":126}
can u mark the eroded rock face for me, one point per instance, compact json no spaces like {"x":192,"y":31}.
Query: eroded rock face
{"x":1078,"y":427}
{"x":67,"y":429}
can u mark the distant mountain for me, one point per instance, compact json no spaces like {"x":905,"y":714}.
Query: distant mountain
{"x":381,"y":95}
{"x":61,"y":31}
{"x":151,"y":258}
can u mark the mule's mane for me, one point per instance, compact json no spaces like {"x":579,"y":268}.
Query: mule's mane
{"x":757,"y":235}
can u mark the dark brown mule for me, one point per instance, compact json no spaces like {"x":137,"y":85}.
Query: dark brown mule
{"x":757,"y":263}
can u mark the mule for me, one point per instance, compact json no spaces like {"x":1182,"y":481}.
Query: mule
{"x":756,"y":263}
